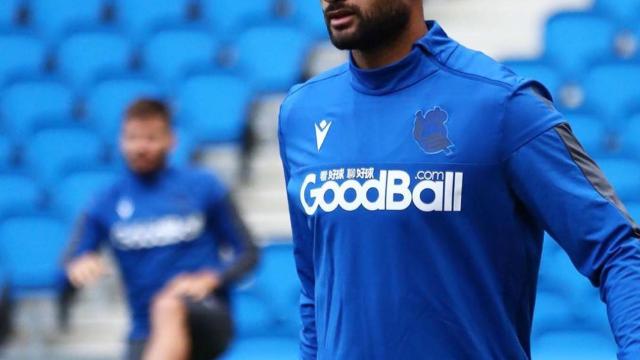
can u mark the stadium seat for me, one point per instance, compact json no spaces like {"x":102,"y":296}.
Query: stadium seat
{"x":9,"y":12}
{"x":634,"y":210}
{"x":282,"y":52}
{"x":612,"y":91}
{"x":266,"y":348}
{"x":567,"y":48}
{"x":170,"y":53}
{"x":630,"y":136}
{"x":308,"y":16}
{"x":251,"y":316}
{"x":139,"y":17}
{"x":276,"y":274}
{"x":573,"y":345}
{"x":540,"y":71}
{"x":53,"y":152}
{"x":108,"y":100}
{"x":185,"y":148}
{"x":624,"y":175}
{"x":590,"y":132}
{"x":214,"y":107}
{"x":84,"y":56}
{"x":229,"y":17}
{"x":21,"y":54}
{"x":54,"y":101}
{"x":552,"y":312}
{"x":6,"y":153}
{"x":31,"y":248}
{"x":52,"y":18}
{"x":625,"y":12}
{"x":19,"y":194}
{"x":74,"y":192}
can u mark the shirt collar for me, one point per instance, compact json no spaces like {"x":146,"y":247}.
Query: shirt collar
{"x":407,"y":71}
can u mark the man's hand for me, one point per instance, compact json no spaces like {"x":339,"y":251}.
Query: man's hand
{"x":86,"y":270}
{"x":194,"y":285}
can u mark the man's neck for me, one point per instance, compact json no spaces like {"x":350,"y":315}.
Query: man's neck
{"x":391,"y":53}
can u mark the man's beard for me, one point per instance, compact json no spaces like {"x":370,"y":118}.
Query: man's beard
{"x":386,"y":21}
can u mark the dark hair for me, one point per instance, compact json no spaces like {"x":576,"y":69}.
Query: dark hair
{"x":145,"y":108}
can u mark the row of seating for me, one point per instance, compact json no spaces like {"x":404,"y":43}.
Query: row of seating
{"x":212,"y":106}
{"x":171,"y":53}
{"x":139,"y":18}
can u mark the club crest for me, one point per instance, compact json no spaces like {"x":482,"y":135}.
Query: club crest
{"x":431,"y":133}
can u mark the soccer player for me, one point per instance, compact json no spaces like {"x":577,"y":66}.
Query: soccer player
{"x":166,"y":227}
{"x":420,"y":177}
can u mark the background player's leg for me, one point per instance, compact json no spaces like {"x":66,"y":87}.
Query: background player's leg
{"x":169,"y":331}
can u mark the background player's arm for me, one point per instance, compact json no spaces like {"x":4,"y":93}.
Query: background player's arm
{"x":231,"y":230}
{"x":83,"y":264}
{"x":568,"y":194}
{"x":303,"y":253}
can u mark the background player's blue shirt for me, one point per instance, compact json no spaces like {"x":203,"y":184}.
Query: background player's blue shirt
{"x":160,"y":226}
{"x":418,"y":196}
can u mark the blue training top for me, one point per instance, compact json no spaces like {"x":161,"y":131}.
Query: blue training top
{"x":418,"y":196}
{"x":159,"y":226}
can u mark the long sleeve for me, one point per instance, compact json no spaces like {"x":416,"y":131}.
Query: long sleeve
{"x":303,"y":253}
{"x":229,"y":227}
{"x":569,"y":196}
{"x":87,"y":236}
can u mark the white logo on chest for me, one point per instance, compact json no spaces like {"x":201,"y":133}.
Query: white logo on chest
{"x":322,"y":130}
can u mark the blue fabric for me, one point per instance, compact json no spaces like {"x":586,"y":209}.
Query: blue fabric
{"x":158,"y":227}
{"x":418,"y":196}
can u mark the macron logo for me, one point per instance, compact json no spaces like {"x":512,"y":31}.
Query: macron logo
{"x":322,"y":130}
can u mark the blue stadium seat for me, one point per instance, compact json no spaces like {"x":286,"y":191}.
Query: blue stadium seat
{"x":6,"y":153}
{"x":229,"y":17}
{"x":54,"y":101}
{"x":308,"y":15}
{"x":139,"y":17}
{"x":612,"y":90}
{"x":52,"y":18}
{"x":634,"y":210}
{"x":282,"y":53}
{"x":591,"y":133}
{"x":573,"y":345}
{"x":19,"y":194}
{"x":76,"y":190}
{"x":9,"y":12}
{"x":251,"y":316}
{"x":630,"y":135}
{"x":540,"y":71}
{"x":624,"y":175}
{"x":185,"y":148}
{"x":567,"y":48}
{"x":170,"y":53}
{"x":53,"y":152}
{"x":108,"y":100}
{"x":214,"y":107}
{"x":84,"y":56}
{"x":21,"y":54}
{"x":625,"y":12}
{"x":276,"y":274}
{"x":552,"y":312}
{"x":31,"y":248}
{"x":267,"y":348}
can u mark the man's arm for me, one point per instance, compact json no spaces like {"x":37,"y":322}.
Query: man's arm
{"x":568,"y":195}
{"x":82,"y":263}
{"x":303,"y":254}
{"x":228,"y":225}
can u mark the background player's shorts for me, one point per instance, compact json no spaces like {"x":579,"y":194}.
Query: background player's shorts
{"x":210,"y":328}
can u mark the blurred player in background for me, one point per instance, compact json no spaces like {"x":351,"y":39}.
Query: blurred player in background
{"x":166,"y":227}
{"x":420,"y":177}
